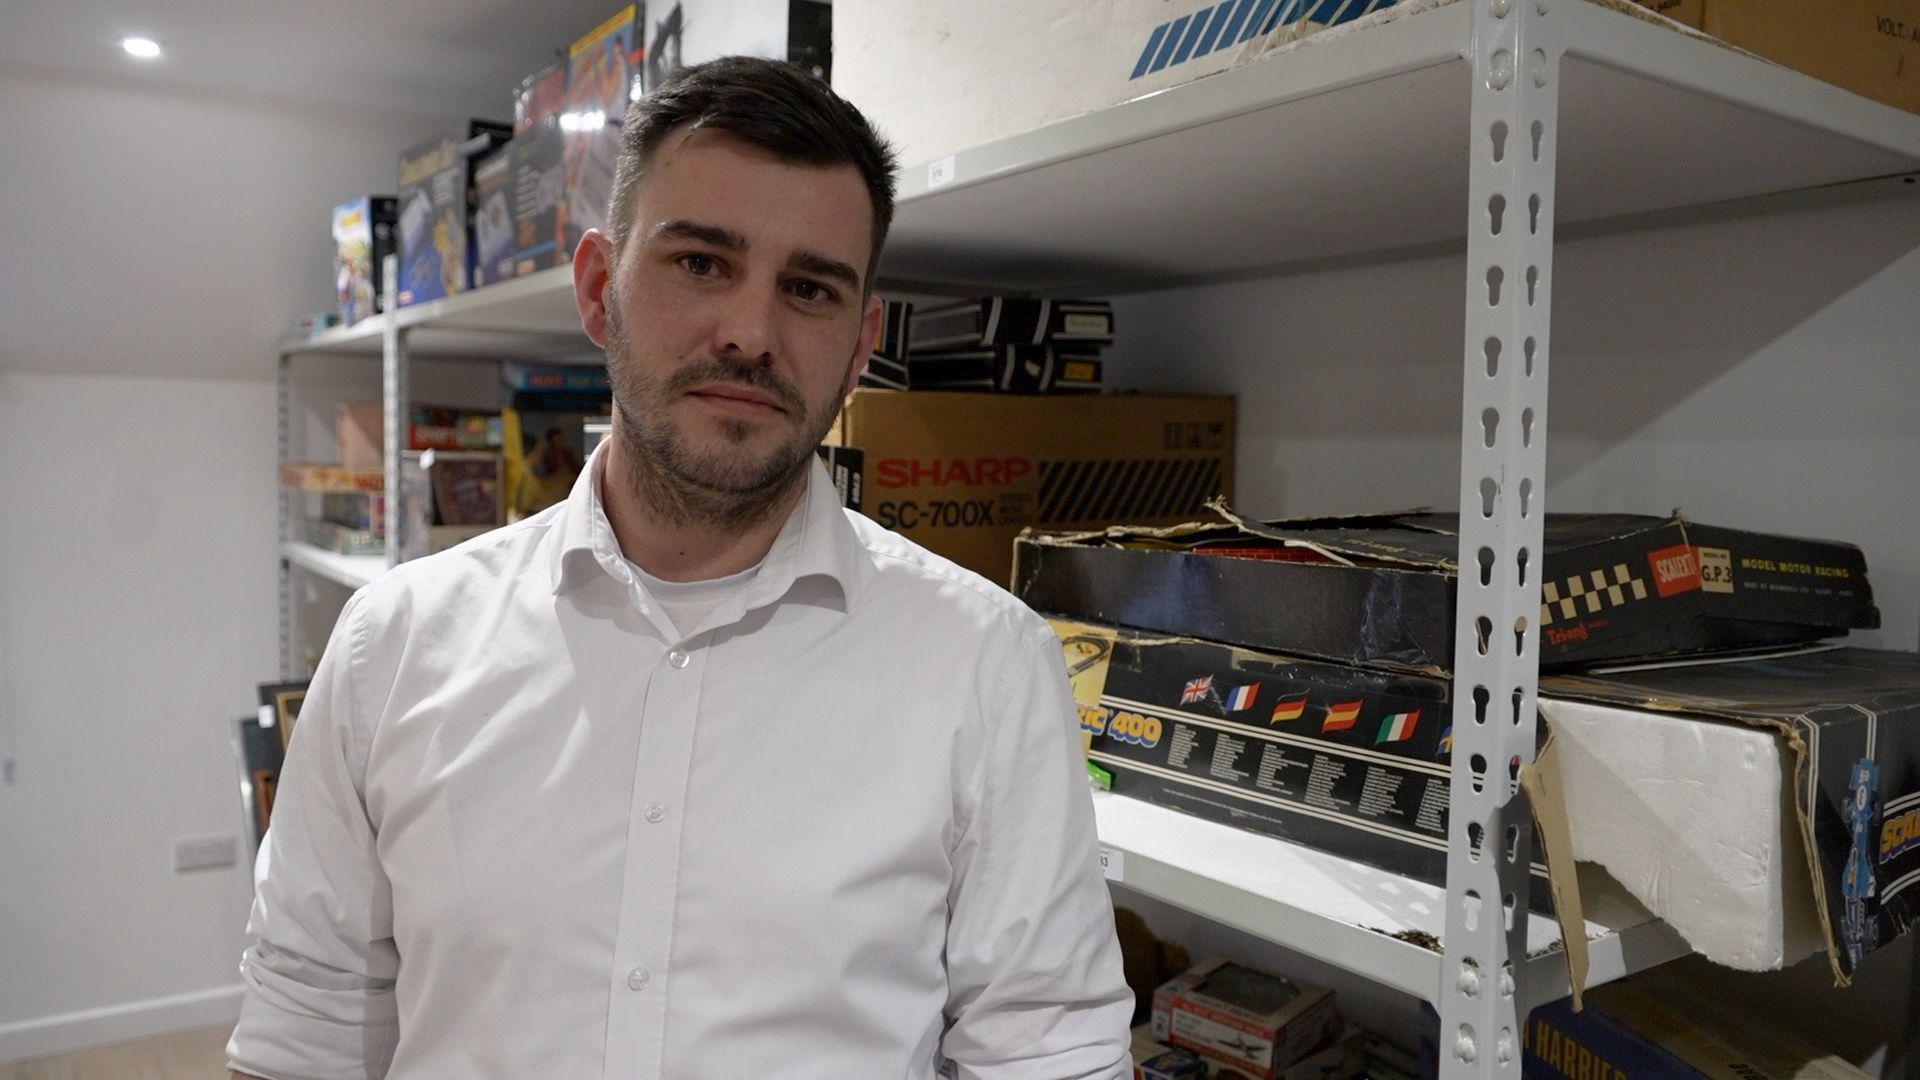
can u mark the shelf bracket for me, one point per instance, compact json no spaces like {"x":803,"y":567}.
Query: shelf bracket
{"x":394,"y":386}
{"x":1515,"y":55}
{"x":283,"y":419}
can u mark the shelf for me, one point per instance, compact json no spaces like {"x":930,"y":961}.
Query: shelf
{"x":1346,"y":913}
{"x":1350,"y":145}
{"x":529,"y":318}
{"x":1354,"y":143}
{"x":352,"y":571}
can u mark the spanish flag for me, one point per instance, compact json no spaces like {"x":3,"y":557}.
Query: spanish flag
{"x":1288,"y":710}
{"x":1342,"y":716}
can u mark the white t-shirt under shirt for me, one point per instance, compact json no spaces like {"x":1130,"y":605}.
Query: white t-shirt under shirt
{"x":688,"y":603}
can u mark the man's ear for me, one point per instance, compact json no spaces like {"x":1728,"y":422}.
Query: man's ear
{"x":870,"y":322}
{"x":592,"y":282}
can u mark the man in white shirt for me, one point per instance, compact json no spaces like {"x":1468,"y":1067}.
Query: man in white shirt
{"x":696,"y":774}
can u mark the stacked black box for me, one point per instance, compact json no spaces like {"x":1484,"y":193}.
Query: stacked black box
{"x":1006,"y":344}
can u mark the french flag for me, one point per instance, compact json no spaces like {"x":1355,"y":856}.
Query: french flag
{"x":1242,"y":697}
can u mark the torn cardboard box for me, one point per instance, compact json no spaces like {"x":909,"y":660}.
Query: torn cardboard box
{"x":1851,"y":719}
{"x":1378,"y":591}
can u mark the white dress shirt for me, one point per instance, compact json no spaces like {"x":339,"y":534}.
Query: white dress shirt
{"x":527,"y":828}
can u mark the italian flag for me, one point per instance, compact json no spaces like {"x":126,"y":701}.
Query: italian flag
{"x":1397,"y":727}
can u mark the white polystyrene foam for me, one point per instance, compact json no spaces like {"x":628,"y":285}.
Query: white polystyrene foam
{"x":1695,"y":819}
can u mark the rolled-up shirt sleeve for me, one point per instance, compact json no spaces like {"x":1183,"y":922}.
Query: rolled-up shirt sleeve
{"x":1034,"y":975}
{"x":320,"y":969}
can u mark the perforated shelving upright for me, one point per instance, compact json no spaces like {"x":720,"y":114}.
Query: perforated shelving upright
{"x":1489,"y":126}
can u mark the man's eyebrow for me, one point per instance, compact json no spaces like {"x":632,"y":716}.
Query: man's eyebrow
{"x":714,"y":235}
{"x":812,"y":262}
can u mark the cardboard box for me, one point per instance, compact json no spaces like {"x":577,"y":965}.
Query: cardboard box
{"x":944,"y":75}
{"x":539,"y":96}
{"x":537,"y":194}
{"x":1002,"y":320}
{"x":360,"y":431}
{"x":1871,"y":47}
{"x":313,"y":476}
{"x":680,"y":33}
{"x":495,"y":238}
{"x":1852,"y":718}
{"x":1343,"y":759}
{"x":435,"y":227}
{"x":446,"y":498}
{"x":1250,"y":1020}
{"x":355,"y":510}
{"x":1379,"y":591}
{"x":1006,"y":369}
{"x":604,"y":75}
{"x":963,"y":473}
{"x":362,"y":240}
{"x":1629,"y":1031}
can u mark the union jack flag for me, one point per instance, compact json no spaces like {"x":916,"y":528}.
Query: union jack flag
{"x":1196,"y":690}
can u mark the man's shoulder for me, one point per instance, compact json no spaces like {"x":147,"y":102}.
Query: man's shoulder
{"x":494,"y":560}
{"x":904,"y":573}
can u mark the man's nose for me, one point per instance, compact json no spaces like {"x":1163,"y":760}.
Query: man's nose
{"x":745,"y":325}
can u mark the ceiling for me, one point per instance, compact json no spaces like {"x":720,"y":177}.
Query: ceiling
{"x":443,"y":57}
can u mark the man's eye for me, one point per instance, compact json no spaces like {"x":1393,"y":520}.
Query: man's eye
{"x":811,"y":291}
{"x":697,"y":264}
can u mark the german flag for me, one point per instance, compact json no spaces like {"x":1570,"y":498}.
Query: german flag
{"x":1341,"y":716}
{"x":1288,"y":710}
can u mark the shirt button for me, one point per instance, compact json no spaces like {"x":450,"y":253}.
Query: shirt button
{"x":678,"y":658}
{"x":656,"y":813}
{"x":637,"y":979}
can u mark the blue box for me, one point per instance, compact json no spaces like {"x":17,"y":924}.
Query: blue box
{"x":434,"y":226}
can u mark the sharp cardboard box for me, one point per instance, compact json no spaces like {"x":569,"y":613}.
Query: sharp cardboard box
{"x":1871,"y":47}
{"x":435,"y":225}
{"x":1344,"y":759}
{"x":943,"y":75}
{"x":1378,"y":590}
{"x":1852,"y":720}
{"x":963,"y":473}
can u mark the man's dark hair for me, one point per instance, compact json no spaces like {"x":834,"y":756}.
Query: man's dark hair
{"x":770,"y":103}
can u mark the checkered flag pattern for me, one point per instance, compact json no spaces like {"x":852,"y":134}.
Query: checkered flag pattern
{"x":1589,"y":593}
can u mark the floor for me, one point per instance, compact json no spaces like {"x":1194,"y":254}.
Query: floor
{"x":189,"y":1055}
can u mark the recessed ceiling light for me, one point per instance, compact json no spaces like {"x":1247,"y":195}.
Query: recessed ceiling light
{"x":144,"y":48}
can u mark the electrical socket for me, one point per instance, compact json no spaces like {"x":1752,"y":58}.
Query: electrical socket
{"x":207,"y":852}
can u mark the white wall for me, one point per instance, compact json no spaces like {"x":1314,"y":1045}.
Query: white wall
{"x":1758,"y":373}
{"x":156,"y":244}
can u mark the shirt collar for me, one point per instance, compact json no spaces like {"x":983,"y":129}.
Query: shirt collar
{"x":816,"y":541}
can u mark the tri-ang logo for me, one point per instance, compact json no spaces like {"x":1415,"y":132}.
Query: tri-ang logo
{"x":1215,"y":27}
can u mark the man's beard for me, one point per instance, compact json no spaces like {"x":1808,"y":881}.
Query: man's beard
{"x":726,"y":487}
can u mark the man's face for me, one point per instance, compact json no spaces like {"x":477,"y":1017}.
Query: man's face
{"x":735,"y":319}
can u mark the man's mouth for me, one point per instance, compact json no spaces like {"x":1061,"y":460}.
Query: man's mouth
{"x":742,"y":400}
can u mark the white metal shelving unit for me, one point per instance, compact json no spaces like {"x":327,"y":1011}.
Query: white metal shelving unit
{"x":1368,"y":142}
{"x":531,"y":318}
